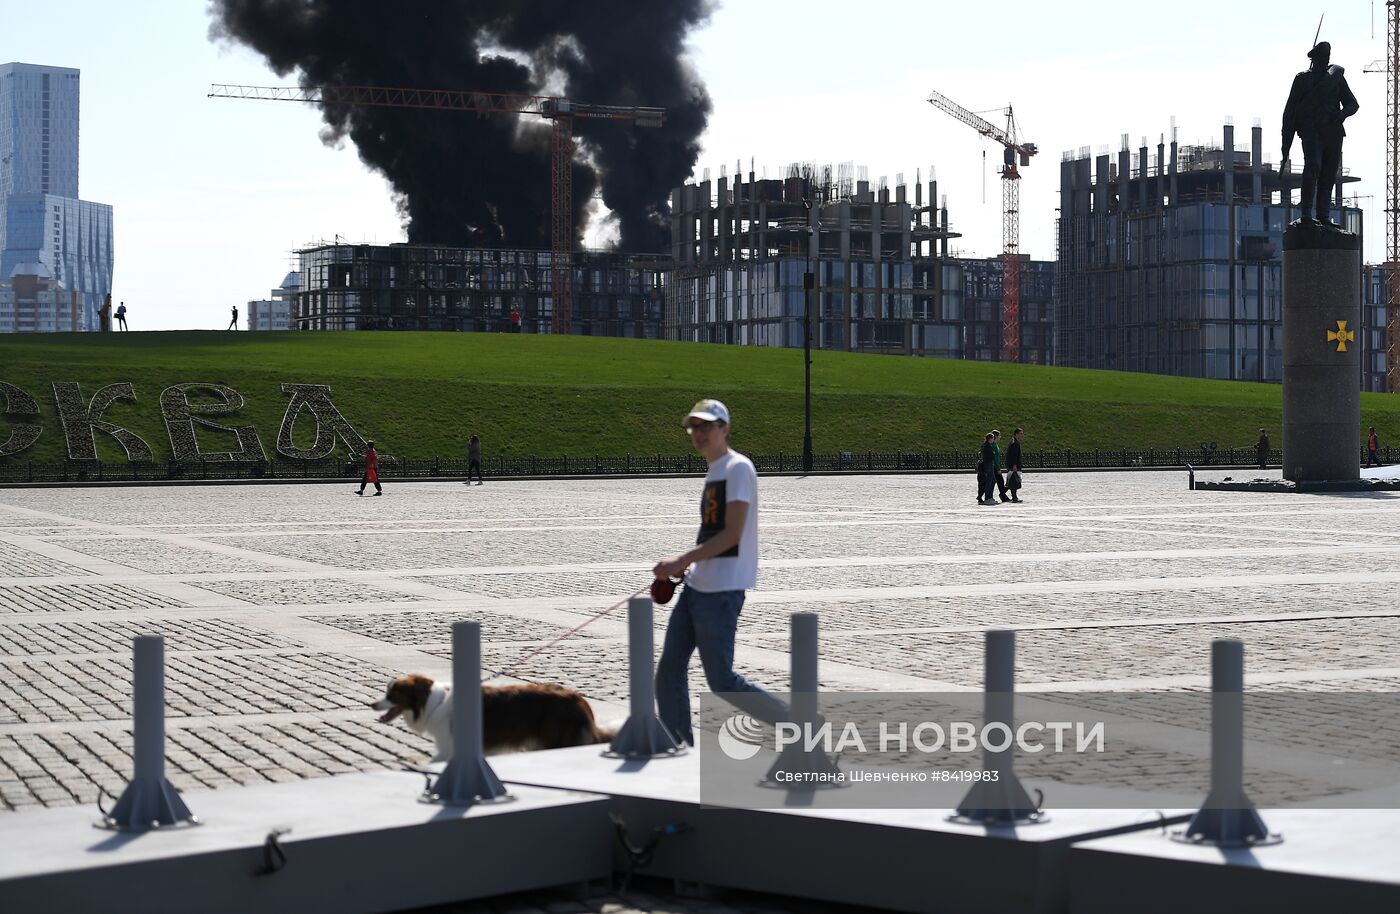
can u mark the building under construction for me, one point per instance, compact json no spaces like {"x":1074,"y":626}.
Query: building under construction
{"x":1173,"y":263}
{"x":972,"y":295}
{"x":424,"y":287}
{"x":1373,"y":321}
{"x":883,"y":278}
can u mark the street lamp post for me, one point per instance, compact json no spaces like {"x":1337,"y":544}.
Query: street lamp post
{"x":809,"y":284}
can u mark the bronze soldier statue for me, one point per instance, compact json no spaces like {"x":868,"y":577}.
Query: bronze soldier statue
{"x":1317,"y":105}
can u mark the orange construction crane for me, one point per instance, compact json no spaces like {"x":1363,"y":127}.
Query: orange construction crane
{"x":1014,"y":150}
{"x":559,"y":111}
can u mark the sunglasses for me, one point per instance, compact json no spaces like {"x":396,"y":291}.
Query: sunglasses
{"x":692,"y":427}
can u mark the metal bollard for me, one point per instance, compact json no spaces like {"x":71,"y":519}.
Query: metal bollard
{"x":1227,"y":818}
{"x":643,"y":736}
{"x":803,"y":639}
{"x":468,"y":778}
{"x":149,"y":800}
{"x":803,"y":712}
{"x":1002,"y":801}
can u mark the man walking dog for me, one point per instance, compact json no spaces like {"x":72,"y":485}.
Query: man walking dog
{"x":723,"y":565}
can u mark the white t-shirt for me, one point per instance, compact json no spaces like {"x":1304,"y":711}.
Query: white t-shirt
{"x":731,"y":478}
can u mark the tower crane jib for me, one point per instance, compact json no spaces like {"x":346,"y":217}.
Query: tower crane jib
{"x":1016,"y":154}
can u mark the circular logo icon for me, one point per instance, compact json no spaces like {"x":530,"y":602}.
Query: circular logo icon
{"x":740,"y":737}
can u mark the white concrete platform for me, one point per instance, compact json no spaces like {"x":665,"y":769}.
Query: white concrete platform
{"x":357,"y":843}
{"x":1329,"y":860}
{"x":901,"y":859}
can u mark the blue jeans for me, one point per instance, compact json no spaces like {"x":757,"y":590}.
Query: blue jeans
{"x":987,"y":483}
{"x":707,"y":621}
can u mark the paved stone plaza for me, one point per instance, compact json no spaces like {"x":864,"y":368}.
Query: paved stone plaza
{"x":287,"y":607}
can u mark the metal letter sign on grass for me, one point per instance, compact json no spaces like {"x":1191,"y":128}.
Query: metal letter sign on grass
{"x":19,"y":403}
{"x":329,"y":423}
{"x":181,"y":416}
{"x":79,"y":421}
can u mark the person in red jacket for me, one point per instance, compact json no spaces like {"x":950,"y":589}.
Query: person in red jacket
{"x":1373,"y":448}
{"x":371,"y":470}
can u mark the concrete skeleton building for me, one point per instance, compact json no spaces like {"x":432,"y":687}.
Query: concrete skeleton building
{"x":972,"y":295}
{"x":1372,"y":339}
{"x":884,"y":282}
{"x":278,"y":310}
{"x":423,"y":287}
{"x":1173,"y":264}
{"x":42,"y":221}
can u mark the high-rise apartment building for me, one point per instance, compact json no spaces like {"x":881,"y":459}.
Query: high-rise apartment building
{"x":38,"y":130}
{"x":42,"y":221}
{"x":32,"y":302}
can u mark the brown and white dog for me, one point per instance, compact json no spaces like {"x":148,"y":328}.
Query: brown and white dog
{"x":513,"y":718}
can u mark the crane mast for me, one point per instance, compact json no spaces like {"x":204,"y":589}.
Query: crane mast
{"x":1014,"y":152}
{"x":1392,"y":198}
{"x":560,"y":112}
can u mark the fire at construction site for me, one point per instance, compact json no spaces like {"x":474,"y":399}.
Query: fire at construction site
{"x":482,"y":179}
{"x":526,"y":127}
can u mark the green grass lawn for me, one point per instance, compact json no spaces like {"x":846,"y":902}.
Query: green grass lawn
{"x":424,"y":394}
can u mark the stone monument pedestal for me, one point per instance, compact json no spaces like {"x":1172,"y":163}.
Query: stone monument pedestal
{"x":1321,"y":354}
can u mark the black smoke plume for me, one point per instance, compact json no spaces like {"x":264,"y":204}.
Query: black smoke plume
{"x":462,"y":179}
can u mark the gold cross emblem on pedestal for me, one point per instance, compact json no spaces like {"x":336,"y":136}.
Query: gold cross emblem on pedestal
{"x":1341,"y":336}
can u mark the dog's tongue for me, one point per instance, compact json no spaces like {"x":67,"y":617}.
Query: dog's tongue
{"x":390,"y":715}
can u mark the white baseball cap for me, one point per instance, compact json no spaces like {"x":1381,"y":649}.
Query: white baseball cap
{"x":709,"y":410}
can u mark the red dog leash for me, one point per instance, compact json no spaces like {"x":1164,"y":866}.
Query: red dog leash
{"x":661,"y":591}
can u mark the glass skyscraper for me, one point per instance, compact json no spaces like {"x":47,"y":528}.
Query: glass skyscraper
{"x":41,"y":218}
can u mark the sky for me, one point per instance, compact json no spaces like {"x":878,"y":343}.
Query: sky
{"x":212,"y":196}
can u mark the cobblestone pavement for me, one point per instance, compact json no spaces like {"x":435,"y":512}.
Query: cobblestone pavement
{"x":286,"y":608}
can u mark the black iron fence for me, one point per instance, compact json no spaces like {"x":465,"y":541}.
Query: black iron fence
{"x":626,"y":465}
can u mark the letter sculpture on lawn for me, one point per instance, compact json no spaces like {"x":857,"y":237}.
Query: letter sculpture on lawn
{"x":79,"y":421}
{"x":181,"y":416}
{"x":23,"y":434}
{"x":81,"y":418}
{"x":329,"y":423}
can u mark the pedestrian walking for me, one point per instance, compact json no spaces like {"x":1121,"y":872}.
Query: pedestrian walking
{"x":371,"y":470}
{"x":104,"y":315}
{"x":1261,"y":449}
{"x":723,"y":565}
{"x":1373,"y":448}
{"x":233,"y":323}
{"x":121,"y":315}
{"x":474,"y":460}
{"x":997,"y":478}
{"x":986,"y":468}
{"x":1013,"y":464}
